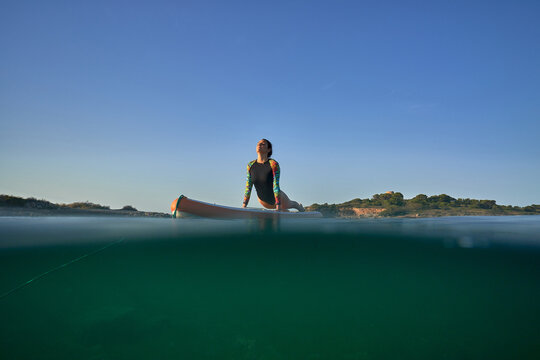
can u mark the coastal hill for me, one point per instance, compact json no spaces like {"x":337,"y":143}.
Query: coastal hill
{"x":392,"y":204}
{"x":17,"y":206}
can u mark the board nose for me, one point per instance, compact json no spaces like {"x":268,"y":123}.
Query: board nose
{"x":173,"y":205}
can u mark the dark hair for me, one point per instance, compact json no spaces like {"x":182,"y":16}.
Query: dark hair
{"x":269,"y":147}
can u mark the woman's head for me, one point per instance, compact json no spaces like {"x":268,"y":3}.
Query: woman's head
{"x":264,"y":147}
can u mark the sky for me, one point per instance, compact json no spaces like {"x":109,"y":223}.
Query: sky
{"x":136,"y":102}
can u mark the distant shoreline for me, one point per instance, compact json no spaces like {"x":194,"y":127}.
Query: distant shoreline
{"x":23,"y":211}
{"x":388,"y":204}
{"x":17,"y":206}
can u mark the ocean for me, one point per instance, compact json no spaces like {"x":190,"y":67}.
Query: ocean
{"x":149,"y":288}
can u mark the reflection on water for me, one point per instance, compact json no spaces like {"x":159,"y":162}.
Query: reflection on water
{"x":109,"y":288}
{"x":488,"y":231}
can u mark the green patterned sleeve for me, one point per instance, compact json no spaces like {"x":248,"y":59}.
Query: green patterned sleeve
{"x":249,"y":184}
{"x":275,"y":186}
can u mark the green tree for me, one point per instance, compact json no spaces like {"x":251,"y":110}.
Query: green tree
{"x":420,"y":198}
{"x":486,"y":204}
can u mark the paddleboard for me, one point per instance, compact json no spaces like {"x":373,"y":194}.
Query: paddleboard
{"x":184,"y":205}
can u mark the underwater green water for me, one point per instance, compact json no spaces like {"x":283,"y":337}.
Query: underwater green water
{"x":454,"y":288}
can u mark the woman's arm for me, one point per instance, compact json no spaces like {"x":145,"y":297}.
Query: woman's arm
{"x":275,"y":186}
{"x":249,"y":185}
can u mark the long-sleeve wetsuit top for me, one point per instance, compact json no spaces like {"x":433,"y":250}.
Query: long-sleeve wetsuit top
{"x":265,"y":177}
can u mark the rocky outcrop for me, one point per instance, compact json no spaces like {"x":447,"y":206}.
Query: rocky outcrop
{"x":354,"y":212}
{"x":367,"y":211}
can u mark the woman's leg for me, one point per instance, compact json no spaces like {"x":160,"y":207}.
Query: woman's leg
{"x":289,"y":204}
{"x":286,"y":203}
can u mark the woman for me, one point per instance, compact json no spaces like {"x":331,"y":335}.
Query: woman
{"x":264,"y":174}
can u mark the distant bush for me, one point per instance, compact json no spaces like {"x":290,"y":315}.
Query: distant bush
{"x":129,"y":208}
{"x":388,"y":199}
{"x":486,"y":204}
{"x":7,"y":200}
{"x":420,"y":201}
{"x":14,"y":201}
{"x":442,"y":198}
{"x":394,"y":211}
{"x":86,"y":206}
{"x":325,"y":209}
{"x":40,"y":204}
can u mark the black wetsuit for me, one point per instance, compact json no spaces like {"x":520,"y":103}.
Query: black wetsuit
{"x":265,"y":177}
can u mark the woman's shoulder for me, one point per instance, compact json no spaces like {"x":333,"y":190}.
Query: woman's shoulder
{"x":251,"y":163}
{"x":273,"y":163}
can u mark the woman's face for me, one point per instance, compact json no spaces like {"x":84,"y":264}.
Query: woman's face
{"x":262,"y":147}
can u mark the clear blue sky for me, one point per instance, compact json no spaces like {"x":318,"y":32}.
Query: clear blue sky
{"x":131,"y":102}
